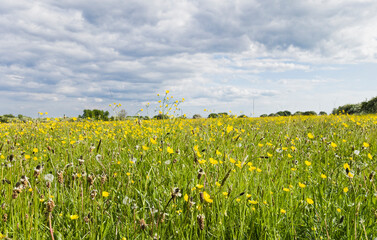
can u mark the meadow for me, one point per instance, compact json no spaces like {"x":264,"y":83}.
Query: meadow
{"x":227,"y":178}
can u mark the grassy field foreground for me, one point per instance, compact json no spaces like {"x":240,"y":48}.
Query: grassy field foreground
{"x":226,"y":178}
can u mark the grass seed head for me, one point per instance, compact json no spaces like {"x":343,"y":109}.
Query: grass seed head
{"x":201,"y":221}
{"x":50,"y":205}
{"x":93,"y":194}
{"x":90,"y":179}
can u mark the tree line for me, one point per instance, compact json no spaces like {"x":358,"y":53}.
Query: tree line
{"x":366,"y":107}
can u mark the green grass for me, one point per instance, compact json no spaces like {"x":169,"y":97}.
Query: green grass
{"x":253,"y":160}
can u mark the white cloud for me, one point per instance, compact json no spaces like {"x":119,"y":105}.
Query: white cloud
{"x":210,"y":51}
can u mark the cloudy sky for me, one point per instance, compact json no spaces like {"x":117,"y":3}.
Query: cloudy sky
{"x":64,"y":56}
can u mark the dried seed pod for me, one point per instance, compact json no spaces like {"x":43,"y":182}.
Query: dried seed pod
{"x":48,"y":184}
{"x":91,"y":177}
{"x":93,"y":194}
{"x":60,"y":176}
{"x":14,"y":194}
{"x":38,"y":170}
{"x":81,"y":161}
{"x":201,"y":221}
{"x":142,"y":224}
{"x":24,"y":180}
{"x":50,"y":205}
{"x":103,"y":178}
{"x":201,"y":197}
{"x":87,"y":218}
{"x":5,"y":217}
{"x":175,"y":193}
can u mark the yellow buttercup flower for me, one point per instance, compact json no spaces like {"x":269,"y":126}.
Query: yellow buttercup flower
{"x":207,"y":197}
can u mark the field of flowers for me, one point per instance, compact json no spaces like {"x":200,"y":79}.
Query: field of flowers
{"x":225,"y":178}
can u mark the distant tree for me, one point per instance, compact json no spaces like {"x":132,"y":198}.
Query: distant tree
{"x":263,"y":115}
{"x":322,"y":113}
{"x":196,"y":116}
{"x":309,"y":113}
{"x":161,"y":116}
{"x":223,"y":114}
{"x":122,"y":114}
{"x":95,"y":114}
{"x":242,"y":116}
{"x":348,"y":109}
{"x":369,"y":106}
{"x":284,"y":113}
{"x":213,"y":115}
{"x":146,"y":117}
{"x":273,"y":115}
{"x":298,"y":113}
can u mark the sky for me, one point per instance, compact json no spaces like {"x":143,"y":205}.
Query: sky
{"x":245,"y":56}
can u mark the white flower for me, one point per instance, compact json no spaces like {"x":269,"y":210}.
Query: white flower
{"x":49,"y":177}
{"x":356,"y":152}
{"x":98,"y":157}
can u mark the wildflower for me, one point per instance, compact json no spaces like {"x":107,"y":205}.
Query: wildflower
{"x":345,"y":189}
{"x":365,"y":145}
{"x":338,"y":210}
{"x":282,"y":211}
{"x":307,"y":163}
{"x":199,"y":186}
{"x":286,"y":189}
{"x":105,"y":194}
{"x":207,"y":197}
{"x":49,"y":177}
{"x":145,"y":148}
{"x":186,"y":197}
{"x":333,"y":145}
{"x":153,"y":141}
{"x":346,"y":166}
{"x":323,"y":176}
{"x":170,"y":150}
{"x":301,"y":185}
{"x":253,"y":202}
{"x":74,"y":217}
{"x":218,"y":184}
{"x":310,"y":201}
{"x":310,"y":135}
{"x":229,"y":129}
{"x":213,"y":161}
{"x":225,"y":194}
{"x":248,"y":195}
{"x":259,"y":170}
{"x":370,"y":156}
